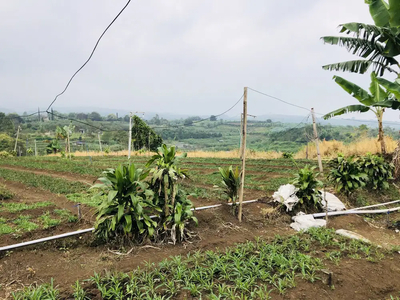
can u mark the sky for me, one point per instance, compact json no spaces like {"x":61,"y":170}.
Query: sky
{"x":176,"y":56}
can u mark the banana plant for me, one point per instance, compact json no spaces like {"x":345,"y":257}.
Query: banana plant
{"x":378,"y":45}
{"x":376,"y":101}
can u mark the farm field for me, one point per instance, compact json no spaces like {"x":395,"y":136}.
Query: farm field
{"x":43,"y":193}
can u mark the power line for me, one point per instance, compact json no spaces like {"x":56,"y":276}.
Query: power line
{"x":276,"y":98}
{"x":94,"y":49}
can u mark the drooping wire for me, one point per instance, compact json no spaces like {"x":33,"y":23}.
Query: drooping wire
{"x":276,"y":98}
{"x":91,"y":54}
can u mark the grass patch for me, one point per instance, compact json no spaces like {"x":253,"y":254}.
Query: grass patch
{"x":5,"y":229}
{"x":87,"y":198}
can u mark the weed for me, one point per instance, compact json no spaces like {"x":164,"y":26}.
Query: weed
{"x":5,"y":193}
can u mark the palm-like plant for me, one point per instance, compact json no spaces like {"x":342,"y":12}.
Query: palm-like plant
{"x":126,"y":210}
{"x":376,"y":101}
{"x":165,"y":175}
{"x":231,"y":183}
{"x":377,"y":45}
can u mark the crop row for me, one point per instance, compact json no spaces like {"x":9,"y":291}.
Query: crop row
{"x":254,"y":270}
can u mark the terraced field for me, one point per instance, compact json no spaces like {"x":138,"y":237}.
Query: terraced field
{"x":45,"y":192}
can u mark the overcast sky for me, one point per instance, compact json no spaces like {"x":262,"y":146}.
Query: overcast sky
{"x":176,"y":56}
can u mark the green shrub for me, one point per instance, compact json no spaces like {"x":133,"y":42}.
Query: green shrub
{"x":346,"y":174}
{"x":126,"y":211}
{"x":307,"y":184}
{"x":287,"y":155}
{"x":5,"y":154}
{"x":378,"y":171}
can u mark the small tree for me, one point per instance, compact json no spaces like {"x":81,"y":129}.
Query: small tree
{"x":143,"y":136}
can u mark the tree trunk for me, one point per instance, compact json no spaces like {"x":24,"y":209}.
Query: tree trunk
{"x":381,"y":134}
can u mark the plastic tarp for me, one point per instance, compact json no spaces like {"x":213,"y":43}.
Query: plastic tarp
{"x":334,"y":204}
{"x":304,"y":222}
{"x":286,"y":195}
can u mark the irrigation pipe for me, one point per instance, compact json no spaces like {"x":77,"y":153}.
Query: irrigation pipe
{"x":351,"y":212}
{"x":64,"y":235}
{"x":375,"y":205}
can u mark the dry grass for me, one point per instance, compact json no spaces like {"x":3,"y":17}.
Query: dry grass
{"x":330,"y":149}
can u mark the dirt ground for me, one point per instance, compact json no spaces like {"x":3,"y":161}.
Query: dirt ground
{"x":77,"y":258}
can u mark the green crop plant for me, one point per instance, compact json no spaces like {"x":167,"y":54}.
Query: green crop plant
{"x":18,"y":207}
{"x":24,"y":224}
{"x":307,"y":186}
{"x":47,"y":221}
{"x":65,"y":214}
{"x":231,"y":184}
{"x":379,"y":171}
{"x":346,"y":174}
{"x":5,"y":229}
{"x":287,"y":155}
{"x":126,"y":210}
{"x":174,"y":206}
{"x":33,"y":292}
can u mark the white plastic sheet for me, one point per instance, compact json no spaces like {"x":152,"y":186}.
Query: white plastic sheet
{"x":334,"y":204}
{"x":286,"y":195}
{"x":304,"y":222}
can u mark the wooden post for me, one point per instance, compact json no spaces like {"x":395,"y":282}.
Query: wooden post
{"x":16,"y":140}
{"x":243,"y":154}
{"x":101,"y":149}
{"x":35,"y":149}
{"x":316,"y":141}
{"x":130,"y":136}
{"x":241,"y":136}
{"x":69,"y":145}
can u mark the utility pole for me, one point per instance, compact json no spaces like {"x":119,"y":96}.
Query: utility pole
{"x":316,"y":141}
{"x":243,"y":154}
{"x":101,"y":149}
{"x":35,"y":149}
{"x":241,"y":133}
{"x":16,"y":140}
{"x":149,"y":140}
{"x":130,"y":135}
{"x":131,"y":114}
{"x":38,"y":111}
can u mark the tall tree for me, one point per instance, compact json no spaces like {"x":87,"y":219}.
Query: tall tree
{"x":143,"y":136}
{"x":378,"y":45}
{"x":375,"y":101}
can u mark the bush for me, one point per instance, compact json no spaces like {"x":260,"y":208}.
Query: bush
{"x":346,"y":174}
{"x":378,"y":171}
{"x":126,"y":211}
{"x":5,"y":154}
{"x":287,"y":155}
{"x":307,"y":184}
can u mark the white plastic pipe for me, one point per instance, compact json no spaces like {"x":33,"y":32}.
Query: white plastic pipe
{"x":64,"y":235}
{"x":352,"y":212}
{"x":376,"y":205}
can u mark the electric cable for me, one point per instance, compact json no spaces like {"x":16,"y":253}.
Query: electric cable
{"x":91,"y":54}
